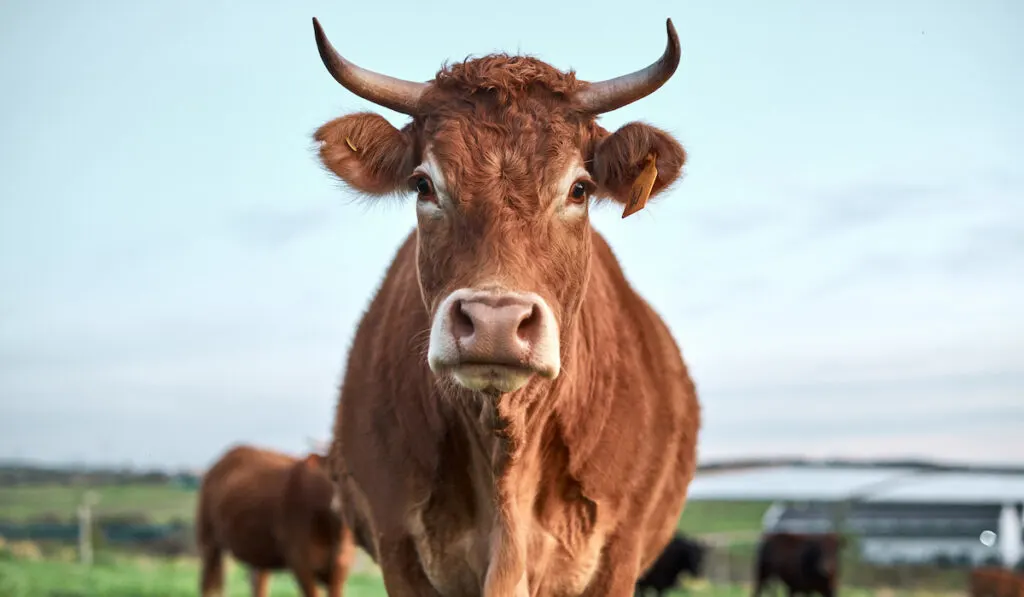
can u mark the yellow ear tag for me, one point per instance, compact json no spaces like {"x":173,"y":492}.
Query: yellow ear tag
{"x":353,"y":147}
{"x":640,"y":192}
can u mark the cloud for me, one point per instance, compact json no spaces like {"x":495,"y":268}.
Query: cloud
{"x":998,"y":443}
{"x":270,"y":227}
{"x":724,"y":224}
{"x":985,"y":247}
{"x":873,"y":201}
{"x":860,"y":410}
{"x":968,"y":252}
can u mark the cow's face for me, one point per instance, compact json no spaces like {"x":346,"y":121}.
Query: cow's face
{"x":503,"y":242}
{"x":504,"y":163}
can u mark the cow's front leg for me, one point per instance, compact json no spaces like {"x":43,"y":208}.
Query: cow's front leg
{"x":403,"y":573}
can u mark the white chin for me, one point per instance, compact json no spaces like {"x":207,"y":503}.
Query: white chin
{"x":481,"y":378}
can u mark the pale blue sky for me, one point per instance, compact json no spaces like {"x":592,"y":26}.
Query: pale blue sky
{"x":843,"y":264}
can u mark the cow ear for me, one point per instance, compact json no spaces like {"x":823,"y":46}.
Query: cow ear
{"x":635,"y":163}
{"x":367,"y":153}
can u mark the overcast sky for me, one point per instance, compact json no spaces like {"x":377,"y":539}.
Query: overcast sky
{"x":843,"y":263}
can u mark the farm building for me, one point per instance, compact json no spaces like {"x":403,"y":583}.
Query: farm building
{"x":898,"y":515}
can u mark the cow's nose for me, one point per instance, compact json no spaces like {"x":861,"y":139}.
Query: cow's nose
{"x":494,"y":339}
{"x":501,"y":330}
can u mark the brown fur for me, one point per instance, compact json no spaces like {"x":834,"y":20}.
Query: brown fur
{"x":805,"y":563}
{"x":564,"y":487}
{"x":991,"y":581}
{"x":271,"y":512}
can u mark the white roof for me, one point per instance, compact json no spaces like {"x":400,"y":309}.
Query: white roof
{"x":955,"y":488}
{"x":791,"y":483}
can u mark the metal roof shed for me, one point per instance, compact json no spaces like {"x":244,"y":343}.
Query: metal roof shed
{"x":954,"y":488}
{"x":793,"y":483}
{"x":1006,"y":490}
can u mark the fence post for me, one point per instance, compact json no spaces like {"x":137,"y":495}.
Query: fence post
{"x":89,"y":499}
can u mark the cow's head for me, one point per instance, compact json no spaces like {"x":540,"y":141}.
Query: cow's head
{"x":504,"y":156}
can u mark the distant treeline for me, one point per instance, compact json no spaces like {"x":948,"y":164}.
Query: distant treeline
{"x":923,"y":465}
{"x":28,"y":474}
{"x":14,"y":475}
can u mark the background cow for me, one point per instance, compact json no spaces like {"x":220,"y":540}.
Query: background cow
{"x":994,"y":581}
{"x":806,"y":564}
{"x":271,"y":512}
{"x":682,"y":554}
{"x":514,"y":418}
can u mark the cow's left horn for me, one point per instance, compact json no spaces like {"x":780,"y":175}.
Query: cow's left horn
{"x":396,"y":94}
{"x":605,"y":96}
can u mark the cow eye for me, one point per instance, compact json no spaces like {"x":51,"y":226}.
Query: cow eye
{"x":579,"y":191}
{"x":423,"y":187}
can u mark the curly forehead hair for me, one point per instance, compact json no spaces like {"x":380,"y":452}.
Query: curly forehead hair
{"x":507,"y":75}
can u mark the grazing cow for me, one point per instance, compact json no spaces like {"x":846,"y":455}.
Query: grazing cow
{"x":271,"y":512}
{"x":682,"y":554}
{"x":806,"y":564}
{"x":514,"y":419}
{"x":993,"y":581}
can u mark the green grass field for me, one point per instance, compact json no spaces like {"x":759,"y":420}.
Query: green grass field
{"x":57,"y":575}
{"x":702,"y":518}
{"x":160,"y":503}
{"x":140,"y":577}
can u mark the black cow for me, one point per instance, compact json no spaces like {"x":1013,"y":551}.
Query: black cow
{"x":806,"y":564}
{"x":680,"y":555}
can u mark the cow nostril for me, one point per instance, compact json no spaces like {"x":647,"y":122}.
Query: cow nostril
{"x":462,"y":323}
{"x":529,"y":326}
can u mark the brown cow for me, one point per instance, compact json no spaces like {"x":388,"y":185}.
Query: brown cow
{"x":514,"y":418}
{"x":992,"y":581}
{"x":271,"y":512}
{"x":805,"y":563}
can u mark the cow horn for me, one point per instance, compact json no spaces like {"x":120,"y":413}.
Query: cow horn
{"x":612,"y":94}
{"x":396,"y":94}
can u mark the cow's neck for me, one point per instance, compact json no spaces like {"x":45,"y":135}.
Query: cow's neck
{"x":516,"y":455}
{"x":495,"y":429}
{"x":502,"y":463}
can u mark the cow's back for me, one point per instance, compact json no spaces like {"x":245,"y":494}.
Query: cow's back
{"x":794,"y":559}
{"x":237,"y":504}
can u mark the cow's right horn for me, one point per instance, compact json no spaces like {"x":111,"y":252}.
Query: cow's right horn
{"x":397,"y":94}
{"x":604,"y":96}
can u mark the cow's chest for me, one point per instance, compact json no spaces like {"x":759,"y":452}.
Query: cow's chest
{"x":459,"y":535}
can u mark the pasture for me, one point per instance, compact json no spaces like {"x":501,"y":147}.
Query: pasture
{"x":159,"y":503}
{"x":51,"y":570}
{"x":133,"y":576}
{"x":144,"y":577}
